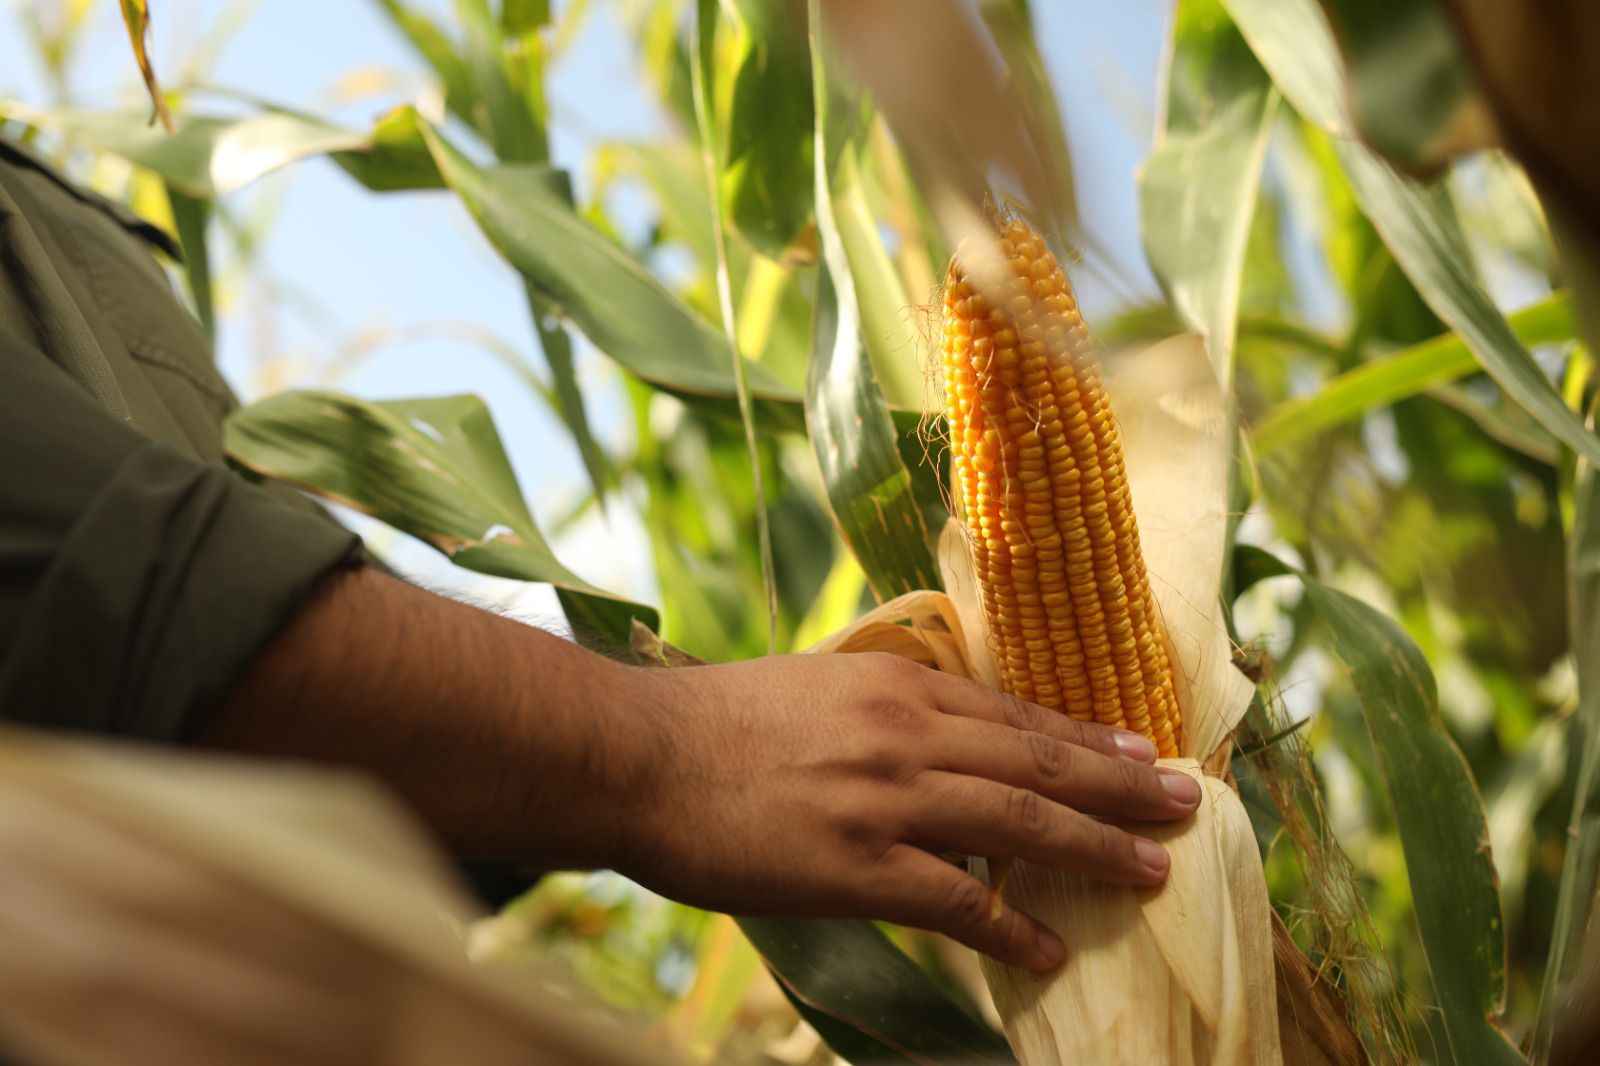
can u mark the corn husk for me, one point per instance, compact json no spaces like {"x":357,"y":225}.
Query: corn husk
{"x":187,"y":910}
{"x":1184,"y":973}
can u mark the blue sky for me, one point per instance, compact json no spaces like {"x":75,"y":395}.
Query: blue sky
{"x":345,"y":266}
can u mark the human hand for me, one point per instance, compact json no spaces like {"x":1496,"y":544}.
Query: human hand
{"x":829,"y":785}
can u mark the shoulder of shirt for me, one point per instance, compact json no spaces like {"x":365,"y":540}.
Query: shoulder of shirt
{"x":14,"y":154}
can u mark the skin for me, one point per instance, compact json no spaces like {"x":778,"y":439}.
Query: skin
{"x":793,"y":786}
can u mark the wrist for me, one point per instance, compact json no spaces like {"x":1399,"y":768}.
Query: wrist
{"x":636,"y":736}
{"x":591,"y":739}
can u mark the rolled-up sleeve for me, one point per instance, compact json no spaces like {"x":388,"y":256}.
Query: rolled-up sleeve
{"x":136,"y":583}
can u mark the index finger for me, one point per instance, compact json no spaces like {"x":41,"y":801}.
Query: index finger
{"x":969,"y":699}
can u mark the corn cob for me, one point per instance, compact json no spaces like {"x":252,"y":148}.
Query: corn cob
{"x":1040,"y":483}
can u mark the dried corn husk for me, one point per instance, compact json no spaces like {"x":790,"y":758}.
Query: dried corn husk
{"x":1183,"y":973}
{"x":184,"y":910}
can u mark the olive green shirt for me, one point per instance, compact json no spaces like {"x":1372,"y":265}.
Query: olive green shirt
{"x":138,"y":576}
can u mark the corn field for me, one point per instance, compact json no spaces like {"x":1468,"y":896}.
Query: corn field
{"x":1380,"y":226}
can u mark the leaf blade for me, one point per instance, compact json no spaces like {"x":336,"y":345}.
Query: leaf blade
{"x":1214,"y":138}
{"x":1400,"y":375}
{"x":1579,"y":894}
{"x":852,"y":433}
{"x":433,"y":468}
{"x":1292,"y":40}
{"x":599,"y":287}
{"x":850,"y":971}
{"x":1440,"y":816}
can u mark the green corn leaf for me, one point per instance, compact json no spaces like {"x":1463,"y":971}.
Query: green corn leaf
{"x":192,"y":217}
{"x":888,"y":328}
{"x":569,"y":406}
{"x":433,"y":468}
{"x":1443,"y":830}
{"x":703,"y":52}
{"x":1293,"y":42}
{"x":596,"y":285}
{"x":1564,"y":1001}
{"x":504,"y":118}
{"x":766,"y":177}
{"x":1401,"y":375}
{"x":439,"y":52}
{"x":1219,"y":111}
{"x":869,"y":1000}
{"x":851,"y":429}
{"x":519,"y":17}
{"x":208,"y":157}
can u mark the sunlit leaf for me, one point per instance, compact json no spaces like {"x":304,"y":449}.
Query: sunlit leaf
{"x":888,"y":316}
{"x":1501,"y":424}
{"x":1438,"y":810}
{"x":556,"y":345}
{"x":836,"y":606}
{"x":1293,"y":42}
{"x":1400,"y":375}
{"x":1497,"y":203}
{"x":707,"y":605}
{"x":433,"y":468}
{"x":593,"y":283}
{"x":209,"y":157}
{"x":703,"y":59}
{"x":394,"y":156}
{"x":513,"y":131}
{"x":1198,"y":188}
{"x":850,"y":426}
{"x":524,"y":16}
{"x":1420,"y":231}
{"x":440,"y":53}
{"x":766,"y":180}
{"x":672,"y":172}
{"x":514,"y":121}
{"x":854,"y":438}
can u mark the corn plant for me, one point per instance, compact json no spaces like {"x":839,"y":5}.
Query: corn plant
{"x":1410,"y":501}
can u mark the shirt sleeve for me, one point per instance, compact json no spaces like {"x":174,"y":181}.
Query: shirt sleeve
{"x":136,"y":583}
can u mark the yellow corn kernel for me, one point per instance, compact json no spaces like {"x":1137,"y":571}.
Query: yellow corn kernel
{"x":1040,"y":484}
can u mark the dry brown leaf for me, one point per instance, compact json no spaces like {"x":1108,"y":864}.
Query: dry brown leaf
{"x":136,"y":17}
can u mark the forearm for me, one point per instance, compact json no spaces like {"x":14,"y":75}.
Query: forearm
{"x":504,"y":737}
{"x":791,"y":786}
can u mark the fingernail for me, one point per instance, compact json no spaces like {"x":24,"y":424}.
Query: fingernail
{"x":1152,"y":855}
{"x":1133,"y":746}
{"x":1181,"y":787}
{"x":1051,"y":950}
